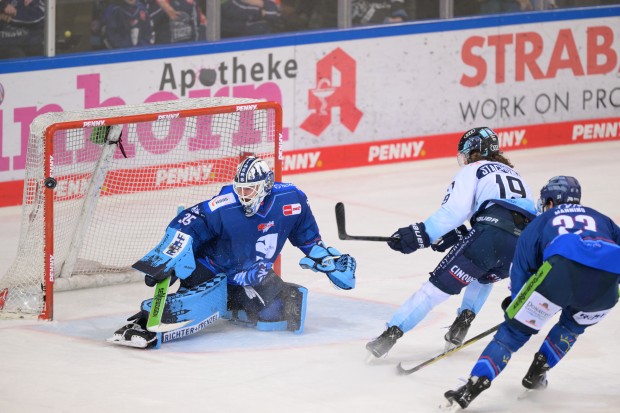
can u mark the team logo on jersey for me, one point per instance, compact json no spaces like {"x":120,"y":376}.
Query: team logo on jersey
{"x":291,"y":209}
{"x":178,"y":243}
{"x":264,"y":227}
{"x":220,"y":201}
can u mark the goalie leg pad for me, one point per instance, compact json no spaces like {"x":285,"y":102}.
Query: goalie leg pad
{"x":201,"y":305}
{"x":255,"y":299}
{"x":287,"y":311}
{"x":295,"y":298}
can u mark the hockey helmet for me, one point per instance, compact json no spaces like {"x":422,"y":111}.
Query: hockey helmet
{"x":253,"y":182}
{"x":482,"y":140}
{"x":560,"y":189}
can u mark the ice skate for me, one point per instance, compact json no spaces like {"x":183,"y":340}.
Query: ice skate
{"x":464,"y":395}
{"x":458,"y":330}
{"x":380,"y":346}
{"x":134,"y":335}
{"x":536,"y":376}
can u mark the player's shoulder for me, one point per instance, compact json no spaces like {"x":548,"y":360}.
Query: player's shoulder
{"x":485,"y":168}
{"x":281,"y":188}
{"x":225,"y":199}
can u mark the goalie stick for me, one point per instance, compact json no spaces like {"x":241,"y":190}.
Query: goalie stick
{"x":342,"y":232}
{"x":154,"y":322}
{"x":403,"y":371}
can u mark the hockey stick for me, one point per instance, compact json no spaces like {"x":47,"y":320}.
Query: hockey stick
{"x":154,"y":323}
{"x":158,"y":303}
{"x":342,"y":232}
{"x":403,"y":371}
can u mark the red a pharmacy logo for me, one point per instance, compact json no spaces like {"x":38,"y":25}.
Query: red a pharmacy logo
{"x":326,"y":95}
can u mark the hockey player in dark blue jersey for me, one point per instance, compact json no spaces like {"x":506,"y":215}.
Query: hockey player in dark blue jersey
{"x":568,"y":260}
{"x":223,"y":251}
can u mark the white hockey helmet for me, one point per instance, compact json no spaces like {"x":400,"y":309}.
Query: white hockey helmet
{"x":252,"y":183}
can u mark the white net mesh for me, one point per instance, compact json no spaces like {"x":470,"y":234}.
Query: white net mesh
{"x":110,"y":210}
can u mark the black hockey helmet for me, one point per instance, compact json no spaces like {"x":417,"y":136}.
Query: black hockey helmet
{"x":560,"y":189}
{"x":482,"y":140}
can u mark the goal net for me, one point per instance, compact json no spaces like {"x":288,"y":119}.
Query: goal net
{"x":102,"y":185}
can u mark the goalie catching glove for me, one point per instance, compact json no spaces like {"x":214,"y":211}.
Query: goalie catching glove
{"x":339,"y":268}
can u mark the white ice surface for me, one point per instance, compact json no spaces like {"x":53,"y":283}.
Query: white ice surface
{"x":66,"y":365}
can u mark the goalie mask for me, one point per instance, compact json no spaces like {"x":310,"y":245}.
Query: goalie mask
{"x":482,"y":140}
{"x":253,"y":182}
{"x":561,"y":190}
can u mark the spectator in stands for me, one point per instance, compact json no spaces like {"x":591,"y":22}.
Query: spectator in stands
{"x":250,"y":17}
{"x":378,"y":12}
{"x":308,"y":14}
{"x":504,"y":6}
{"x":21,"y":28}
{"x":544,"y":4}
{"x":96,"y":42}
{"x":126,"y":23}
{"x":175,"y":21}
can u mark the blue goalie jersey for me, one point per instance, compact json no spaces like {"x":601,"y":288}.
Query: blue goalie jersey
{"x":226,"y":241}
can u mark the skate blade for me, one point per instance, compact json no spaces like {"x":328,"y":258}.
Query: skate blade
{"x":528,"y":394}
{"x":449,"y":406}
{"x":448,"y":346}
{"x":122,"y":342}
{"x":372,"y":359}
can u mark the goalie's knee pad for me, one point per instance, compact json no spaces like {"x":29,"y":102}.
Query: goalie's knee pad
{"x":295,"y":297}
{"x":255,"y":299}
{"x":287,"y":311}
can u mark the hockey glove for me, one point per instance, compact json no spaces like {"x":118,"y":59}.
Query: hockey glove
{"x":172,"y":257}
{"x":506,"y":302}
{"x":409,"y":239}
{"x":254,"y":275}
{"x":152,"y":280}
{"x":450,"y":239}
{"x":339,"y":268}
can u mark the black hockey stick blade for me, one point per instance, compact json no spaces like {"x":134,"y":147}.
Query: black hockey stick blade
{"x":403,"y":371}
{"x":342,"y":232}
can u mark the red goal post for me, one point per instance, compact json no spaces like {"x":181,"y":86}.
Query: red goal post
{"x":101,"y":186}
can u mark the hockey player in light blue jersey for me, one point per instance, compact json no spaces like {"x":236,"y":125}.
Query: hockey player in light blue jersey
{"x":223,"y":251}
{"x":568,"y":260}
{"x":489,"y":193}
